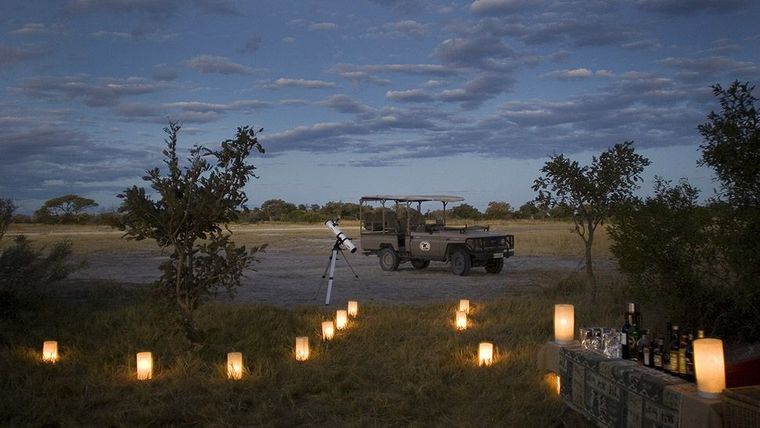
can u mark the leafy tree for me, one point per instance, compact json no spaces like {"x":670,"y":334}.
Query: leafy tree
{"x":466,"y":211}
{"x":64,"y":209}
{"x":276,"y":209}
{"x":663,"y":245}
{"x":529,"y":210}
{"x":592,"y":191}
{"x":731,"y":148}
{"x":498,"y":210}
{"x":194,"y":202}
{"x":7,"y":208}
{"x":340,"y":209}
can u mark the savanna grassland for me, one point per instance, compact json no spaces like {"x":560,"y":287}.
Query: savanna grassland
{"x":398,"y":364}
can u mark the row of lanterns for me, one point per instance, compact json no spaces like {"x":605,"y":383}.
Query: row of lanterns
{"x":709,"y":361}
{"x":235,"y":366}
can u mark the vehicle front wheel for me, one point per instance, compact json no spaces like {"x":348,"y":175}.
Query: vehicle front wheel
{"x":420,"y":264}
{"x":494,"y":265}
{"x":389,"y":260}
{"x":460,"y":262}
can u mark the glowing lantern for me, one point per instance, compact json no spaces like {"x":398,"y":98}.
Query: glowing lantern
{"x":302,"y":348}
{"x":353,"y":308}
{"x":485,"y":354}
{"x":235,"y":365}
{"x":50,"y":351}
{"x":341,"y":319}
{"x":552,"y":379}
{"x":464,"y":305}
{"x":709,"y":367}
{"x":564,"y":323}
{"x":328,"y":330}
{"x":461,"y":320}
{"x":144,"y":366}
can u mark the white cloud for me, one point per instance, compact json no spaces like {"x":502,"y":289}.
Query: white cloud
{"x":577,"y":73}
{"x":283,"y":82}
{"x":323,"y":26}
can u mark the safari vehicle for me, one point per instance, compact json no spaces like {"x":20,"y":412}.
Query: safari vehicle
{"x":400,"y":233}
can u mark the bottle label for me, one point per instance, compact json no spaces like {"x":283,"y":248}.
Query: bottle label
{"x":646,"y":357}
{"x":658,"y":360}
{"x":682,"y":362}
{"x":674,"y":362}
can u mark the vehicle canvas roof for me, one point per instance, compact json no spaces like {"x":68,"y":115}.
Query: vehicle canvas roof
{"x":413,"y":198}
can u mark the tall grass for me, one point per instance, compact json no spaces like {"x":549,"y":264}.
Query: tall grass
{"x":395,"y":366}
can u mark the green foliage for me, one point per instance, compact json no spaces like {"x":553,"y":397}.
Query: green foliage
{"x":498,"y":211}
{"x":65,"y":209}
{"x":193,"y":204}
{"x":663,"y":245}
{"x":465,"y":212}
{"x":530,"y":211}
{"x":592,"y":192}
{"x":24,"y":269}
{"x":7,"y":208}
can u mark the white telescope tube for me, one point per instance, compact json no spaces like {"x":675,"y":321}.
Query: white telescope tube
{"x":344,"y":241}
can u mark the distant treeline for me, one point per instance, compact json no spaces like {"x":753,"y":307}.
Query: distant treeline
{"x":73,"y":209}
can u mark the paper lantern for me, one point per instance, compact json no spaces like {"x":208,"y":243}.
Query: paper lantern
{"x":709,"y":366}
{"x":144,"y":366}
{"x":235,"y":365}
{"x":485,"y":354}
{"x":353,"y":308}
{"x":464,"y":305}
{"x":302,"y":348}
{"x":553,"y":381}
{"x":341,"y":319}
{"x":461,"y":320}
{"x":328,"y":330}
{"x":564,"y":323}
{"x":50,"y":351}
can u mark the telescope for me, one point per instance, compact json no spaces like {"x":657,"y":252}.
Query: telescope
{"x":341,"y":242}
{"x":342,"y":238}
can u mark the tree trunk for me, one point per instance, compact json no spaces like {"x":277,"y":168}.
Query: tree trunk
{"x":590,"y":263}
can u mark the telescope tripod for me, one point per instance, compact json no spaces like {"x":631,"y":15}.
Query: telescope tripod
{"x":330,"y":268}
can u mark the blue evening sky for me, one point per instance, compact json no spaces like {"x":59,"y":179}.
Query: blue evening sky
{"x":361,"y":96}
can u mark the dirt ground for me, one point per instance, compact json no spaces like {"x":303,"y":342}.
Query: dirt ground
{"x":290,"y":273}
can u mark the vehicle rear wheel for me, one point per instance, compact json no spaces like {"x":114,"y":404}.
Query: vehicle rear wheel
{"x":420,"y":264}
{"x":460,"y":262}
{"x":389,"y":260}
{"x":494,"y":265}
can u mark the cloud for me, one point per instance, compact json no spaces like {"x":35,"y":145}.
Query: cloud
{"x":323,"y":26}
{"x":283,"y":82}
{"x":481,"y":88}
{"x":708,"y":69}
{"x":409,"y":96}
{"x":184,"y":111}
{"x":153,"y":8}
{"x":577,"y":73}
{"x":31,"y":29}
{"x":407,"y":28}
{"x":164,"y":73}
{"x":13,"y":54}
{"x":289,"y":39}
{"x":208,"y":64}
{"x":104,"y":91}
{"x":484,"y":52}
{"x":344,"y":104}
{"x":500,"y":7}
{"x":645,"y":44}
{"x":251,"y":45}
{"x":690,"y":7}
{"x":136,"y":35}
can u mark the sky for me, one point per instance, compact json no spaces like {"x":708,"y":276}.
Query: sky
{"x":361,"y":97}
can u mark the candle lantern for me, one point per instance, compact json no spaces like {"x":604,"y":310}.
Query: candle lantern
{"x":302,"y":348}
{"x":464,"y":305}
{"x":144,"y":366}
{"x":328,"y":330}
{"x":564,"y":323}
{"x":485,"y":354}
{"x":709,"y":367}
{"x":353,"y":308}
{"x":461,"y":320}
{"x":341,"y":319}
{"x":50,"y":351}
{"x":235,"y":365}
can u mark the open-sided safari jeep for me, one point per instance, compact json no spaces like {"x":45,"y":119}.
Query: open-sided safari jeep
{"x":399,"y":233}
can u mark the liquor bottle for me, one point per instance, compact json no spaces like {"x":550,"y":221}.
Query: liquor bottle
{"x":633,"y":338}
{"x":700,"y":334}
{"x":690,"y":374}
{"x":666,"y":347}
{"x":646,"y":350}
{"x":682,"y":344}
{"x":625,"y":354}
{"x":657,"y":354}
{"x":673,"y":352}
